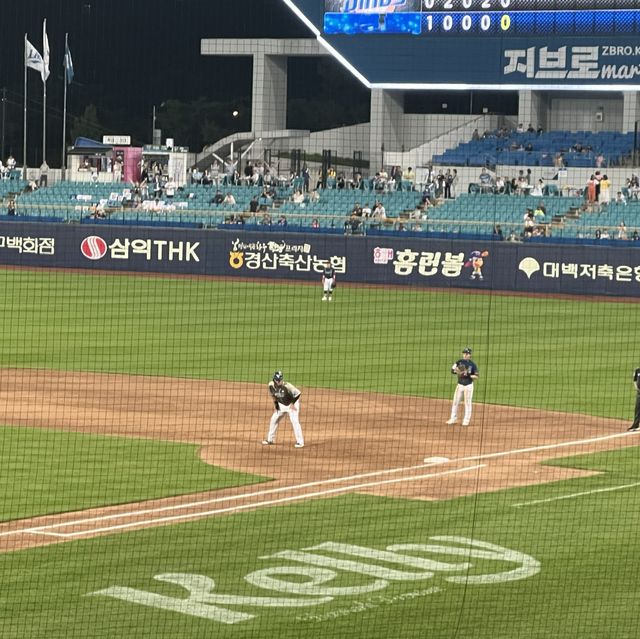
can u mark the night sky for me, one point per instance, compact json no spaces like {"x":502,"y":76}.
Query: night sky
{"x":132,"y":54}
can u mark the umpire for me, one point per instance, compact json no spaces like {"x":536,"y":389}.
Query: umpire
{"x":636,"y":384}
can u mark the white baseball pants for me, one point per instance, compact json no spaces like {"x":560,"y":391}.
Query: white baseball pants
{"x":293,"y":411}
{"x":460,"y":392}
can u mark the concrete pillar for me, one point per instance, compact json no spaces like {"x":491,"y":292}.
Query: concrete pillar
{"x":533,"y":108}
{"x":269,"y":93}
{"x":630,"y":111}
{"x":387,"y":109}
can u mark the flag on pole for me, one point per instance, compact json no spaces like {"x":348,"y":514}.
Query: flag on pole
{"x":32,"y":57}
{"x":68,"y":64}
{"x":45,"y":52}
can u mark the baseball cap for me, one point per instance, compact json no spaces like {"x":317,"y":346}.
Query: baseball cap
{"x":467,"y":350}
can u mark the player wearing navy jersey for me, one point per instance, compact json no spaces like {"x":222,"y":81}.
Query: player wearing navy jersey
{"x":467,"y":373}
{"x":328,"y":281}
{"x":636,"y":418}
{"x":286,"y":400}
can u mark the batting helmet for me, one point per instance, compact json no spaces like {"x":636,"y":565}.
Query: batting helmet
{"x":278,"y":377}
{"x":467,"y":350}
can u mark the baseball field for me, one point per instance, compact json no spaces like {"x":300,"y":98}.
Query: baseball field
{"x":138,"y":500}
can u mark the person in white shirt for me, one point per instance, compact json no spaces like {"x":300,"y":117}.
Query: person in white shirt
{"x":229,"y":199}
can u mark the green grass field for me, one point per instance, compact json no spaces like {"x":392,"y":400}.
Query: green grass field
{"x":554,"y":354}
{"x":585,"y":546}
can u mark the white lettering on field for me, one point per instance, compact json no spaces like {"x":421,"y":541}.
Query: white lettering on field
{"x":321,"y":569}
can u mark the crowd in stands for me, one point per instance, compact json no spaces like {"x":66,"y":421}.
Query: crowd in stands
{"x":533,"y":146}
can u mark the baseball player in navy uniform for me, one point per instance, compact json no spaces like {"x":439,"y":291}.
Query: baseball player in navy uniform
{"x":286,"y":399}
{"x":636,"y":418}
{"x":328,"y":281}
{"x":467,"y":373}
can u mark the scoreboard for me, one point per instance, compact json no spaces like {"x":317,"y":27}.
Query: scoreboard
{"x":483,"y":17}
{"x":551,"y":44}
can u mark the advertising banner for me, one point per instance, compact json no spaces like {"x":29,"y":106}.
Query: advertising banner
{"x":394,"y":261}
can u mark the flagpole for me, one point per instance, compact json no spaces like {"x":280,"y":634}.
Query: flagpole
{"x":24,"y":125}
{"x":45,"y":46}
{"x":64,"y":109}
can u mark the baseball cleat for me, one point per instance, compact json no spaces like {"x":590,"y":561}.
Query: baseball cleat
{"x":633,"y":429}
{"x":266,"y":442}
{"x":465,"y":423}
{"x":451,"y":421}
{"x":299,"y":446}
{"x":324,"y":298}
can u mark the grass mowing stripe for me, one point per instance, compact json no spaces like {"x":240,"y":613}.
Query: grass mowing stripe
{"x":574,"y":495}
{"x":398,"y":341}
{"x":53,"y":471}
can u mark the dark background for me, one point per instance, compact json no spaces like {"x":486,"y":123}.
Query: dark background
{"x":130,"y":55}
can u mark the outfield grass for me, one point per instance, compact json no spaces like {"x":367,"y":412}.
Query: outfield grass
{"x":566,"y":355}
{"x":44,"y":471}
{"x":585,"y":589}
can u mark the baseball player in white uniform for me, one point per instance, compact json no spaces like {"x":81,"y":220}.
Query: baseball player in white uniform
{"x":328,"y":281}
{"x":467,"y":373}
{"x":286,"y":399}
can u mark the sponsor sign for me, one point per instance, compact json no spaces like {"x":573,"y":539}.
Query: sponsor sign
{"x":304,"y":579}
{"x":609,"y":268}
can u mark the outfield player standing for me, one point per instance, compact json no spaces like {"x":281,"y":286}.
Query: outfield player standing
{"x":286,"y":399}
{"x":328,"y":281}
{"x":636,"y":418}
{"x":467,"y":373}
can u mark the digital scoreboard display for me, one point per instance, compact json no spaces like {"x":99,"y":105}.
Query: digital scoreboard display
{"x":551,"y":44}
{"x":482,"y":17}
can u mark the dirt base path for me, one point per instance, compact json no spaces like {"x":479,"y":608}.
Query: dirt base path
{"x":356,"y":442}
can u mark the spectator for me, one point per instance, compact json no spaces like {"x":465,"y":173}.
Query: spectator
{"x":229,"y":199}
{"x":282,"y":220}
{"x":622,"y":231}
{"x":314,"y":196}
{"x":366,"y":210}
{"x":475,"y":135}
{"x":409,"y":176}
{"x":620,"y":199}
{"x":605,"y":191}
{"x":297,"y":197}
{"x":529,"y":223}
{"x":530,"y":128}
{"x":254,"y":205}
{"x":396,"y":176}
{"x":315,"y":224}
{"x":538,"y":189}
{"x":306,"y":178}
{"x":500,"y":185}
{"x":513,"y":237}
{"x":591,"y":189}
{"x":486,"y":182}
{"x":635,"y":236}
{"x":170,"y":188}
{"x":266,"y":220}
{"x":497,"y":233}
{"x":379,"y":212}
{"x":218,"y":198}
{"x":11,"y":207}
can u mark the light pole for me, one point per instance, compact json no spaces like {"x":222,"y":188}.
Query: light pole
{"x":4,"y":115}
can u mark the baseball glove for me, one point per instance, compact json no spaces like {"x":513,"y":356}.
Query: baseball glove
{"x":461,"y":369}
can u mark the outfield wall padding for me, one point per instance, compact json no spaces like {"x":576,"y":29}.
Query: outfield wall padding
{"x":525,"y":267}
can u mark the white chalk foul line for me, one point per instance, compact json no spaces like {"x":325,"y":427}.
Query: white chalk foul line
{"x":573,"y":495}
{"x":239,"y":497}
{"x":174,"y":518}
{"x":483,"y":456}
